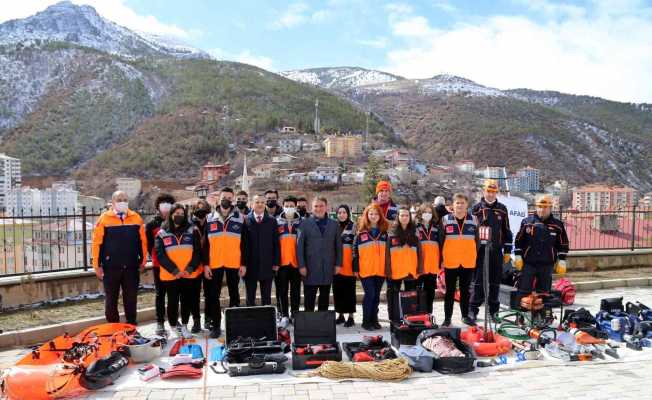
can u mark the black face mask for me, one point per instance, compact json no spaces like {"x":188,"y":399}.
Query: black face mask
{"x":201,"y":213}
{"x":301,"y":210}
{"x":225,"y":203}
{"x":271,"y":203}
{"x":179,"y":219}
{"x":241,"y":204}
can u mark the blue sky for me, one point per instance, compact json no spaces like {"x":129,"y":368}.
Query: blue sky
{"x":595,"y":47}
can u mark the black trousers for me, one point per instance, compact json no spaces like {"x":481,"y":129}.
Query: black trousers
{"x":159,"y":299}
{"x":206,"y":283}
{"x":542,"y":273}
{"x":310,"y":295}
{"x":428,"y":283}
{"x":288,"y":281}
{"x":192,"y":293}
{"x":265,"y":291}
{"x":215,"y":292}
{"x":495,"y":276}
{"x":344,"y":294}
{"x":453,"y":275}
{"x":392,"y":295}
{"x":115,"y":279}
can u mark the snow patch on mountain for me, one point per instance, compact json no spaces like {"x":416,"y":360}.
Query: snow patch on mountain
{"x":341,"y":78}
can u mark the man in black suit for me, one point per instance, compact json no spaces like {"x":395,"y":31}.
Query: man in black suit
{"x":262,"y":252}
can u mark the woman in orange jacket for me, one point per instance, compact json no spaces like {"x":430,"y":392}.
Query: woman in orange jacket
{"x":369,"y":252}
{"x":403,"y":261}
{"x":430,"y":237}
{"x":178,"y":248}
{"x":344,"y":282}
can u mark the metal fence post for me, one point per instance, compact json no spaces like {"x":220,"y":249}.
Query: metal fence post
{"x":633,"y":227}
{"x":84,"y":233}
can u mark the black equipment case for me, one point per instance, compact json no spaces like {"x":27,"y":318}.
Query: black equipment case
{"x":451,"y":365}
{"x":312,"y":329}
{"x":251,"y":339}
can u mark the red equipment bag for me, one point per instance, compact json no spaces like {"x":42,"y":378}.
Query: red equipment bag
{"x":566,"y":290}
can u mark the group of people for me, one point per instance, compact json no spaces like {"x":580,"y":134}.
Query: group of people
{"x":282,"y":244}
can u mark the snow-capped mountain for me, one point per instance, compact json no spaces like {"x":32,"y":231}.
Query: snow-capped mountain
{"x":340,"y":78}
{"x":82,"y":25}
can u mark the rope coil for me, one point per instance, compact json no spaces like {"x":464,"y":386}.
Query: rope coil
{"x":387,"y":370}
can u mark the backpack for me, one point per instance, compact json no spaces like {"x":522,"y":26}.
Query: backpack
{"x":566,"y":290}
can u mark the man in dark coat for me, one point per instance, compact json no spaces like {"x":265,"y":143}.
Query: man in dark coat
{"x":262,"y":253}
{"x":319,"y":255}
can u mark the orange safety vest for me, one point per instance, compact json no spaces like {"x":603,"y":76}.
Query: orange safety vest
{"x":348,"y":235}
{"x":287,"y":236}
{"x":430,"y":251}
{"x":403,"y":260}
{"x":224,"y":238}
{"x":179,"y":251}
{"x":460,"y":247}
{"x":371,"y":254}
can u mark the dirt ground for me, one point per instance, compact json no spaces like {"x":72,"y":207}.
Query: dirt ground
{"x":23,"y":319}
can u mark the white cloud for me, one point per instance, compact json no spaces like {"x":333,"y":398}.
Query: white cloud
{"x":245,"y":56}
{"x":294,"y":15}
{"x":114,"y":10}
{"x":377,"y":43}
{"x":603,"y":51}
{"x":445,"y":6}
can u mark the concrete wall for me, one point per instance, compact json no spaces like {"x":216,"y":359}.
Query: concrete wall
{"x":16,"y":292}
{"x":608,"y":259}
{"x":21,"y":291}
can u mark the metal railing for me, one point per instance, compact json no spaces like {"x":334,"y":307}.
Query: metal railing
{"x":60,"y":241}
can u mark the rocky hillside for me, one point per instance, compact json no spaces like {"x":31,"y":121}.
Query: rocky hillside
{"x":108,"y":107}
{"x":578,"y":138}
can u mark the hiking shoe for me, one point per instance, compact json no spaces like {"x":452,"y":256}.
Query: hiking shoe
{"x":196,"y":327}
{"x":349,"y":322}
{"x":160,"y":329}
{"x":377,"y":326}
{"x":468,"y":321}
{"x":340,"y":320}
{"x":368,"y":326}
{"x":215,"y":333}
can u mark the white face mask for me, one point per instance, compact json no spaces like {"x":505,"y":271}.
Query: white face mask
{"x":164,"y":207}
{"x":426,"y":217}
{"x":122,"y":206}
{"x":290,"y":211}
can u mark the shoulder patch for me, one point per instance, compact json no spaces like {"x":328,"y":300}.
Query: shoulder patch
{"x":167,"y":241}
{"x":364,"y":236}
{"x":450,"y":229}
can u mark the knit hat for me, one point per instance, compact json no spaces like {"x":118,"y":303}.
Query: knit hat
{"x":383,"y":185}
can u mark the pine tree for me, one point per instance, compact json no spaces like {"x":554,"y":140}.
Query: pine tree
{"x":371,"y":178}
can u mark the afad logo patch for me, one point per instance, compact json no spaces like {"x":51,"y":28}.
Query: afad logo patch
{"x":167,"y":241}
{"x":213,"y":226}
{"x":280,"y":229}
{"x":450,"y":229}
{"x":395,"y":241}
{"x":364,"y":237}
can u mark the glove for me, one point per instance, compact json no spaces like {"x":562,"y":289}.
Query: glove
{"x":560,"y":267}
{"x":518,"y":263}
{"x":506,"y":258}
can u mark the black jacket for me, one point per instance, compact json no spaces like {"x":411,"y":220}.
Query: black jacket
{"x":541,"y":241}
{"x":495,"y":215}
{"x":261,"y":248}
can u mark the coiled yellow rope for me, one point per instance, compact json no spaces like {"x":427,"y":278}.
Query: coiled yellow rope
{"x":387,"y":370}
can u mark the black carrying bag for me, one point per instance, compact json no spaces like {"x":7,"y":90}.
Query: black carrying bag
{"x":612,"y":305}
{"x":103,"y":372}
{"x":450,"y":365}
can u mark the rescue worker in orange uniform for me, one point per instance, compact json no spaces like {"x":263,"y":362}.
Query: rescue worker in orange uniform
{"x":430,"y":237}
{"x":119,"y":253}
{"x":224,"y":254}
{"x":369,"y":253}
{"x":403,"y":262}
{"x":344,"y":282}
{"x":287,"y":277}
{"x":178,"y":250}
{"x":492,"y":213}
{"x":541,"y":245}
{"x":459,"y":253}
{"x":384,"y":200}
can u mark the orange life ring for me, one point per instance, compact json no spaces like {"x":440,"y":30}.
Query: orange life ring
{"x":475,"y":337}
